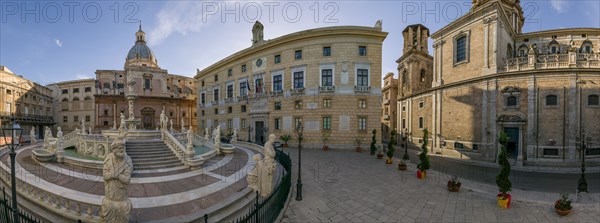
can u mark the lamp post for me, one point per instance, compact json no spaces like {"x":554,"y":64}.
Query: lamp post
{"x":299,"y":131}
{"x":583,"y":141}
{"x":14,"y":131}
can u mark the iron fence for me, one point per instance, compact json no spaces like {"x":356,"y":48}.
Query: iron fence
{"x":6,"y":212}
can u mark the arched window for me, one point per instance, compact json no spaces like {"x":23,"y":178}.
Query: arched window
{"x":65,"y":100}
{"x":75,"y":99}
{"x":509,"y":51}
{"x":511,"y":101}
{"x":404,"y":77}
{"x":422,"y":75}
{"x":554,"y":47}
{"x":593,"y":100}
{"x":523,"y":50}
{"x":586,"y":47}
{"x":551,"y":100}
{"x":87,"y":98}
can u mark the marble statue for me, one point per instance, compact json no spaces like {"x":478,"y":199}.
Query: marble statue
{"x":162,"y":119}
{"x":60,"y":152}
{"x":83,"y":127}
{"x":261,"y":177}
{"x":257,"y":32}
{"x":378,"y":24}
{"x":206,"y":134}
{"x":130,"y":84}
{"x":89,"y":129}
{"x":171,"y":122}
{"x":48,"y":140}
{"x":182,"y":125}
{"x":190,"y":138}
{"x":32,"y":137}
{"x":117,"y":169}
{"x":122,"y":123}
{"x":130,"y":108}
{"x":234,"y":136}
{"x":217,"y":140}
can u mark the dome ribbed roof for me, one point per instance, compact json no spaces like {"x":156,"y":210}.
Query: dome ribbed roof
{"x":140,"y":54}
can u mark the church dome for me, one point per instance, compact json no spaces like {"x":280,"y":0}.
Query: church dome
{"x":140,"y":54}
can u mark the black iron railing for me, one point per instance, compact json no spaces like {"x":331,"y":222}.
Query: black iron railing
{"x":268,"y":209}
{"x":6,"y":212}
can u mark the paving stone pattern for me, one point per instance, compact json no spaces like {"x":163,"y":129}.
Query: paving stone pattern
{"x":345,"y":186}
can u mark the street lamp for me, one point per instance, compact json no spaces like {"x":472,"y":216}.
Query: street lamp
{"x":583,"y":143}
{"x":299,"y":131}
{"x":13,"y":131}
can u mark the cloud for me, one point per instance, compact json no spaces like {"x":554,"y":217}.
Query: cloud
{"x":180,"y":16}
{"x":58,"y":42}
{"x":558,"y":5}
{"x":82,"y":76}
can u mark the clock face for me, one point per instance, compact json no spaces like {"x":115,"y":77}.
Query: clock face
{"x":259,"y":62}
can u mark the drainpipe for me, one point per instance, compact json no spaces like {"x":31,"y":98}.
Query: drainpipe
{"x":537,"y":124}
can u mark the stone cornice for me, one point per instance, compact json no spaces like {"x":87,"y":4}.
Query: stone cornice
{"x":566,"y":31}
{"x":297,"y":36}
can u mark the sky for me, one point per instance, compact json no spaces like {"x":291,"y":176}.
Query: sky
{"x":53,"y":41}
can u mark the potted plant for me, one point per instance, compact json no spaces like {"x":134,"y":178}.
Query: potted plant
{"x":391,"y":149}
{"x":325,"y":139}
{"x":502,"y":180}
{"x":401,"y":165}
{"x":424,"y":164}
{"x":358,"y":141}
{"x":285,"y":138}
{"x":563,"y":205}
{"x":373,"y":147}
{"x":454,"y":184}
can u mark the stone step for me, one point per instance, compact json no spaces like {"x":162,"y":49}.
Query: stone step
{"x":150,"y":155}
{"x":148,"y":150}
{"x":147,"y":147}
{"x":154,"y":159}
{"x":155,"y":167}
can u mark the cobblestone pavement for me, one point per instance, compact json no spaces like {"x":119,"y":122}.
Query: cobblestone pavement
{"x":345,"y":186}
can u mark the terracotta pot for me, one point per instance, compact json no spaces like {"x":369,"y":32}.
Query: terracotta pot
{"x":388,"y":161}
{"x":380,"y":156}
{"x":285,"y":145}
{"x":401,"y":167}
{"x":358,"y":149}
{"x":504,"y":202}
{"x":325,"y":148}
{"x":421,"y":175}
{"x":561,"y":212}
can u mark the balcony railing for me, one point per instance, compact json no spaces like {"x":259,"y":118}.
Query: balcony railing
{"x":386,"y":117}
{"x":23,"y":118}
{"x":278,"y":93}
{"x":297,"y":91}
{"x":362,"y":89}
{"x":242,"y":97}
{"x":326,"y":89}
{"x":229,"y":100}
{"x":552,"y":61}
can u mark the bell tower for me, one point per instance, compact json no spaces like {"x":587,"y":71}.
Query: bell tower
{"x":415,"y":66}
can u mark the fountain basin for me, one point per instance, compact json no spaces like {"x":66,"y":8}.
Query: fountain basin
{"x":227,"y":148}
{"x":43,"y":155}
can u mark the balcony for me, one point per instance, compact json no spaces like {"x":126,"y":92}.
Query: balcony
{"x":26,"y":119}
{"x":215,"y":102}
{"x":362,"y":89}
{"x":386,"y":117}
{"x":297,"y":91}
{"x":229,"y":100}
{"x":278,"y":93}
{"x":242,"y":97}
{"x":259,"y":95}
{"x":326,"y":89}
{"x":552,"y":61}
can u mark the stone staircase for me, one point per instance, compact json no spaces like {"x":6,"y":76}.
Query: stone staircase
{"x":151,"y":155}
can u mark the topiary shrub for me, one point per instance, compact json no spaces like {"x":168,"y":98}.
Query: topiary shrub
{"x":502,"y":180}
{"x":424,"y":164}
{"x":391,"y":143}
{"x":373,"y":147}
